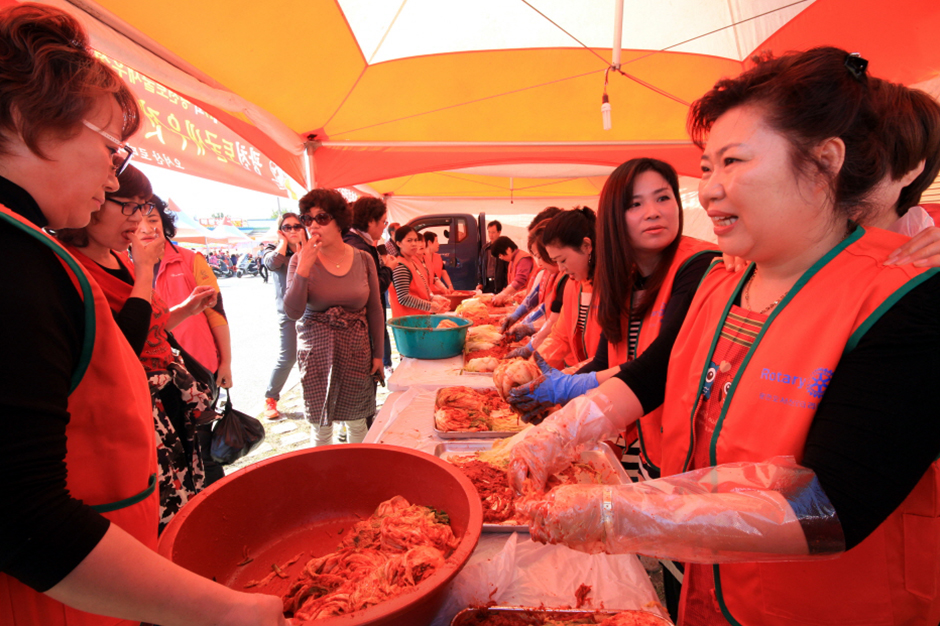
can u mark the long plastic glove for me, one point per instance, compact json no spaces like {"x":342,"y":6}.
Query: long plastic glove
{"x":521,"y":331}
{"x":770,"y":511}
{"x":555,"y":443}
{"x":551,"y":388}
{"x":535,"y":314}
{"x":523,"y":352}
{"x":510,"y":319}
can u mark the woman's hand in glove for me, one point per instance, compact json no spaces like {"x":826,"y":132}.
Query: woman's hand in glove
{"x":552,"y":388}
{"x":571,"y":515}
{"x":523,"y":352}
{"x":508,"y":321}
{"x":552,"y":445}
{"x":520,"y":331}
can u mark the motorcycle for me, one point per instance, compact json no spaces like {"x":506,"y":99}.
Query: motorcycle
{"x":246,"y":266}
{"x":221,"y":270}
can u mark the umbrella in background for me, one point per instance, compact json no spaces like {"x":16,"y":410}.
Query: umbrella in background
{"x":229,"y":234}
{"x":188,"y":230}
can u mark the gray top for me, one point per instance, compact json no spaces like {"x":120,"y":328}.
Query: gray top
{"x":358,"y":288}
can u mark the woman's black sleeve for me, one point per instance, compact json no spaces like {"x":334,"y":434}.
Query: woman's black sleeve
{"x":44,"y":532}
{"x":646,"y":375}
{"x":877,"y":429}
{"x":134,"y":322}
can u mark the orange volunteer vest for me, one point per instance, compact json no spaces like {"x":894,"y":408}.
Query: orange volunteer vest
{"x":567,"y":345}
{"x":649,"y":427}
{"x":435,"y":263}
{"x":420,"y":288}
{"x":892,"y":576}
{"x":111,"y":457}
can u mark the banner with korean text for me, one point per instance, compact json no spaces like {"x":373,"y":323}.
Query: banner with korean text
{"x":178,"y":135}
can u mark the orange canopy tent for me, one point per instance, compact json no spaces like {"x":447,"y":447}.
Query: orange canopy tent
{"x":492,"y":99}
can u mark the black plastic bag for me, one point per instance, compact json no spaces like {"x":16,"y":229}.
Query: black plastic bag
{"x":235,"y":434}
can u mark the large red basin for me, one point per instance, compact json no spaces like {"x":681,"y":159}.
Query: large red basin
{"x":303,"y":502}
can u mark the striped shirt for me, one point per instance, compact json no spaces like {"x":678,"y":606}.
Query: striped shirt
{"x":401,"y":278}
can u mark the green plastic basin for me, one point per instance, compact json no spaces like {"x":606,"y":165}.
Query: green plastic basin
{"x":417,"y":337}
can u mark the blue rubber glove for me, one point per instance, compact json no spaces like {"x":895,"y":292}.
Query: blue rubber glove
{"x":551,"y":388}
{"x":509,"y":320}
{"x":521,"y":331}
{"x":523,"y":352}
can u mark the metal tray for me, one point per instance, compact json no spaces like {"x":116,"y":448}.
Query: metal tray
{"x":468,"y":617}
{"x":601,"y":457}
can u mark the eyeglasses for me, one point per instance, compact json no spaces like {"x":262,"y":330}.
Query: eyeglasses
{"x":129,"y":208}
{"x":320,"y":218}
{"x":121,"y":155}
{"x":289,"y":227}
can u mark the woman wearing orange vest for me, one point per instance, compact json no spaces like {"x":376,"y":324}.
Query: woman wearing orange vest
{"x":787,"y":383}
{"x":569,"y":241}
{"x":78,"y":459}
{"x":410,"y":292}
{"x":647,"y":269}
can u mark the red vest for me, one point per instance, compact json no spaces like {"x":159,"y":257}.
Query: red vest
{"x":111,"y":456}
{"x":649,"y":427}
{"x":892,"y":576}
{"x":420,"y":288}
{"x":175,"y":282}
{"x":517,"y":256}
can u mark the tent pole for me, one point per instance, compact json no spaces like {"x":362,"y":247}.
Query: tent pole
{"x":309,"y":165}
{"x":618,"y":34}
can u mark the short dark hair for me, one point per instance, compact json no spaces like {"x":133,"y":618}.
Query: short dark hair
{"x":909,"y":128}
{"x":502,"y":245}
{"x":51,"y":79}
{"x":131,"y":184}
{"x":569,"y":229}
{"x":545,"y":214}
{"x":330,"y":201}
{"x":535,"y":244}
{"x":366,"y":210}
{"x":499,"y":227}
{"x":167,"y":217}
{"x":430,"y":236}
{"x":807,"y":97}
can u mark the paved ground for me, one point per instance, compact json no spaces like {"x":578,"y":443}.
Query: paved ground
{"x":249,"y":305}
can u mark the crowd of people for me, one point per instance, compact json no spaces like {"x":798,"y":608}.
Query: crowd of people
{"x":771,"y":395}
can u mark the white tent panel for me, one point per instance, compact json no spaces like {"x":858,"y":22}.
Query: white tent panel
{"x":396,"y":29}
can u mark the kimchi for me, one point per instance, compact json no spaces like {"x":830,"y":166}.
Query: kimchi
{"x":382,"y":557}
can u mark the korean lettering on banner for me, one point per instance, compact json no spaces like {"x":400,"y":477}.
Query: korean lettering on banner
{"x":175,"y":131}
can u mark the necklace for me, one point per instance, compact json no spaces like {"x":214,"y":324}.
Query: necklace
{"x":747,"y":295}
{"x":337,"y":264}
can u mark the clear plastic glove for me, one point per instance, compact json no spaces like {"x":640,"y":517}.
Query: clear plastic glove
{"x":521,"y":331}
{"x":555,"y":443}
{"x":551,"y":388}
{"x":737,"y":512}
{"x":523,"y":352}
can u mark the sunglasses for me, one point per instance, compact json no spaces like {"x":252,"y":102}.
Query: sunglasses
{"x":129,"y":208}
{"x":120,"y":156}
{"x":289,"y":227}
{"x":320,"y":218}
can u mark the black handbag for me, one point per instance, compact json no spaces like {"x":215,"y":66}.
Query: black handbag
{"x":196,"y":369}
{"x":235,"y":434}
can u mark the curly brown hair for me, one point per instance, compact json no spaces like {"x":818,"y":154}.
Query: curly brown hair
{"x":50,"y":79}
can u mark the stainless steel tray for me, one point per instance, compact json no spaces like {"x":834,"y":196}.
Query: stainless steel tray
{"x":471,"y":617}
{"x":601,"y":457}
